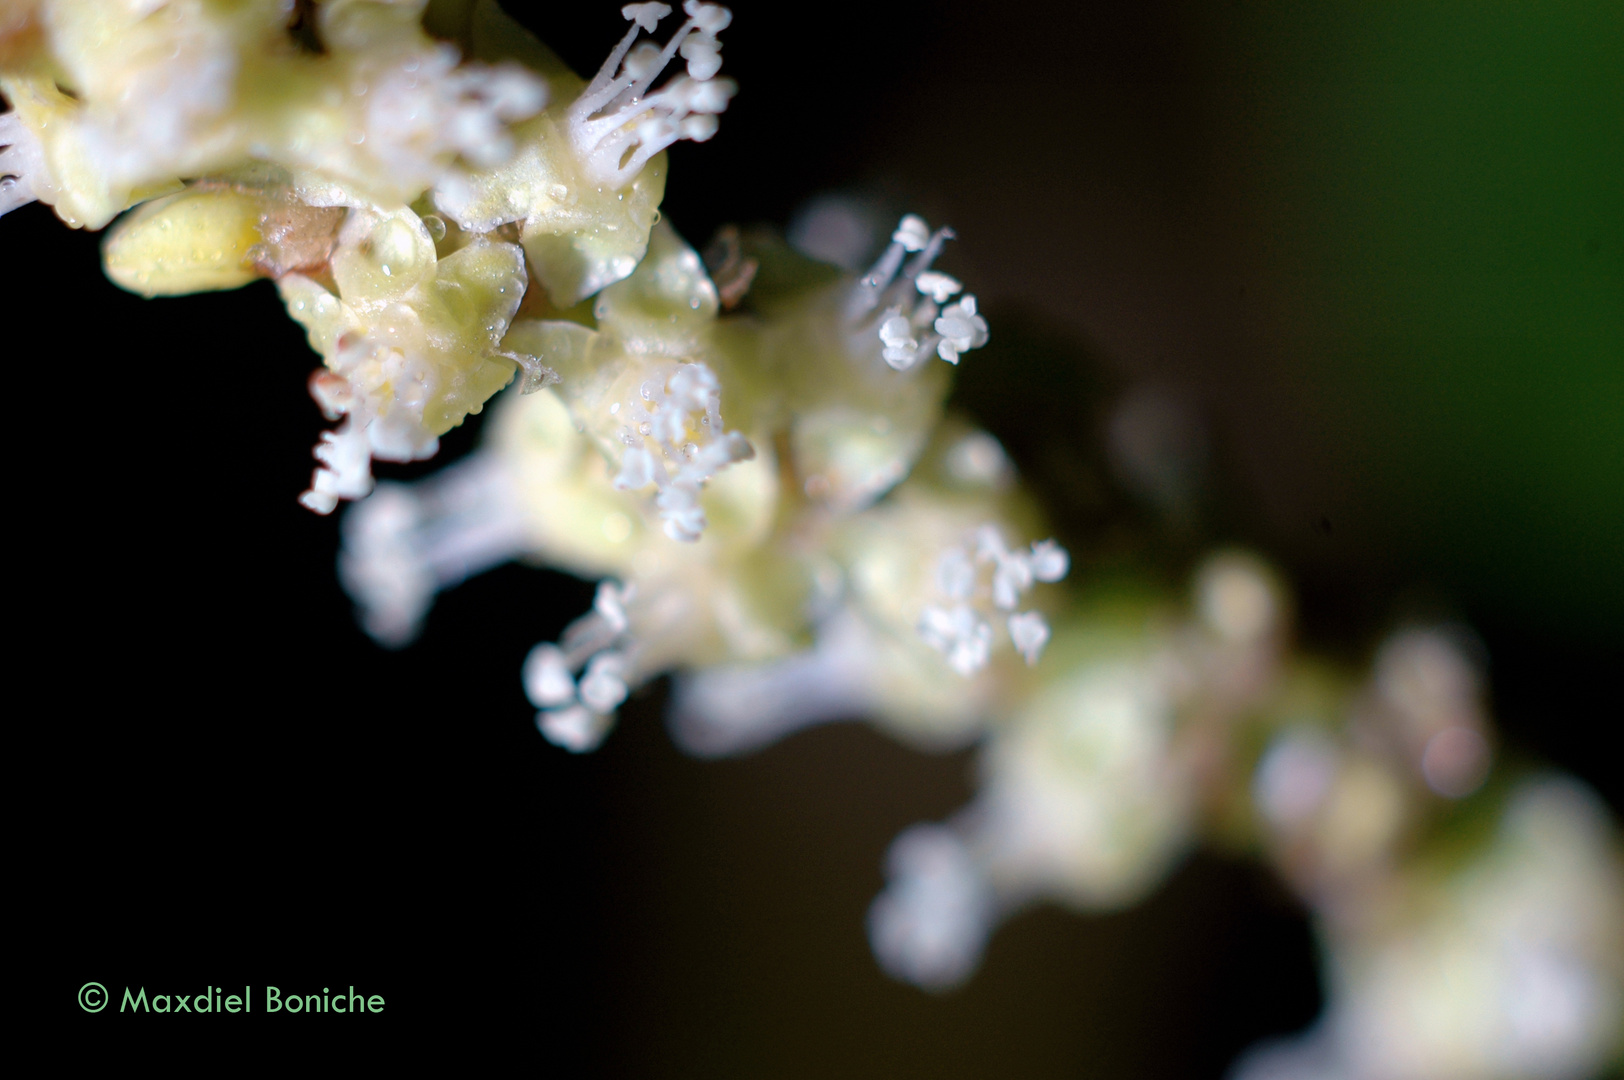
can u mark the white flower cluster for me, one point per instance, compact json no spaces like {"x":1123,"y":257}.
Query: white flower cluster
{"x":396,"y":342}
{"x":913,"y":324}
{"x":1506,"y":965}
{"x":576,"y":713}
{"x":963,"y":633}
{"x":434,"y":228}
{"x":188,"y":89}
{"x":674,"y":440}
{"x":617,"y":125}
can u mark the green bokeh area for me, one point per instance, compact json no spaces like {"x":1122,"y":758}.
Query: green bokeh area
{"x":1449,"y":181}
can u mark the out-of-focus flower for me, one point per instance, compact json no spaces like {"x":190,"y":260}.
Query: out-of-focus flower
{"x":1510,"y":964}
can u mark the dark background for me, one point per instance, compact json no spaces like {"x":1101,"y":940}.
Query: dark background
{"x":1378,"y":254}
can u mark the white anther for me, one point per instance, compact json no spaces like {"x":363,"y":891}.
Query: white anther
{"x":938,"y":286}
{"x":990,"y":544}
{"x":703,"y":55}
{"x":901,"y":351}
{"x":1012,"y":578}
{"x":962,"y":329}
{"x":1050,"y":562}
{"x":708,"y":18}
{"x":636,"y":469}
{"x":643,"y":61}
{"x":956,"y":574}
{"x":576,"y":728}
{"x":610,"y":604}
{"x":547,"y":679}
{"x":711,"y":96}
{"x":658,"y":129}
{"x":1029,"y":632}
{"x":333,"y":393}
{"x":680,"y":510}
{"x":646,"y":16}
{"x":603,"y":687}
{"x":912,"y":233}
{"x":960,"y":634}
{"x":894,"y":332}
{"x":699,"y":127}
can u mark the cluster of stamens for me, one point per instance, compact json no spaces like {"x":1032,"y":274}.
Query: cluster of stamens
{"x":902,"y":302}
{"x":578,"y":710}
{"x":616,"y":125}
{"x":431,"y":103}
{"x":962,"y":630}
{"x":376,"y":425}
{"x":674,"y":440}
